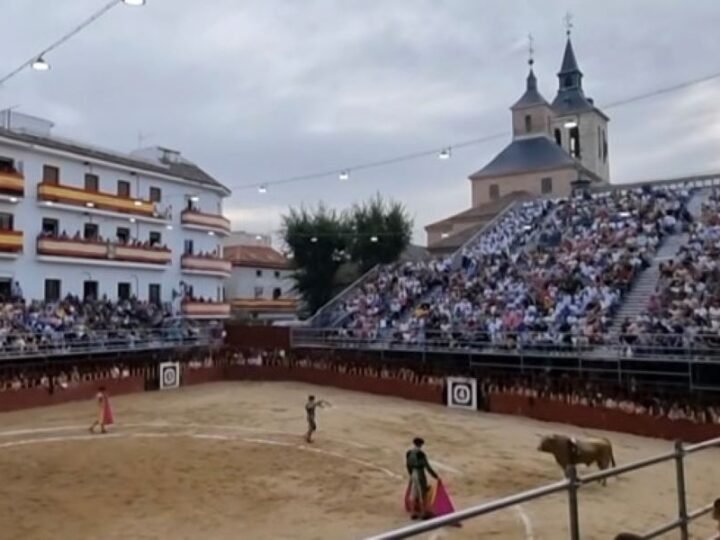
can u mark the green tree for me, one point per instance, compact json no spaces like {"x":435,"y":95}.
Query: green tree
{"x":318,"y":241}
{"x":382,"y":231}
{"x":323,"y":241}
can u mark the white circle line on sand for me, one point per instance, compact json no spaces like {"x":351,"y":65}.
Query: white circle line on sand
{"x":524,"y":518}
{"x":367,"y":464}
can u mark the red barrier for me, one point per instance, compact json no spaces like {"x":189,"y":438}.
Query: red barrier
{"x":27,"y":398}
{"x":357,"y":383}
{"x":601,"y":418}
{"x":192,"y":376}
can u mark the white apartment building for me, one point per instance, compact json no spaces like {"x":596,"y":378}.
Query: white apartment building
{"x":261,"y":285}
{"x":80,"y":220}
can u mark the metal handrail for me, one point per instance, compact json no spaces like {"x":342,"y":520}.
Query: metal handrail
{"x":571,"y":484}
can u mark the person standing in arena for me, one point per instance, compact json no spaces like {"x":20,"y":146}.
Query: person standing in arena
{"x":417,"y":463}
{"x":310,"y":407}
{"x":104,"y":413}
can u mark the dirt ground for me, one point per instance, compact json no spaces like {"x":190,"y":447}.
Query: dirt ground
{"x":227,"y":461}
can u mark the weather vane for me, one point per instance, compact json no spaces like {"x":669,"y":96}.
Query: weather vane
{"x":568,"y":23}
{"x":531,"y":50}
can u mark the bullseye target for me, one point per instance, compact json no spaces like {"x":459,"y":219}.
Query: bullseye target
{"x":169,"y":375}
{"x":462,"y":393}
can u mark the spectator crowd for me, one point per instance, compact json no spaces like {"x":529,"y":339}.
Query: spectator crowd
{"x":548,"y":272}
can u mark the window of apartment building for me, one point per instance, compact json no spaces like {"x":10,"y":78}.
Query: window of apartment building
{"x":123,"y":291}
{"x":604,"y":147}
{"x":546,"y":185}
{"x":277,"y":293}
{"x":494,"y":192}
{"x":155,"y":238}
{"x":7,"y":165}
{"x":50,"y":226}
{"x":123,"y":234}
{"x":6,"y":221}
{"x":258,"y":273}
{"x":258,"y":292}
{"x":90,"y":290}
{"x":558,"y":136}
{"x":155,"y":194}
{"x":52,"y":290}
{"x":92,"y":183}
{"x":528,"y":123}
{"x":51,"y":175}
{"x":91,"y":231}
{"x":277,"y":274}
{"x":188,"y":247}
{"x":154,"y":293}
{"x":123,"y":188}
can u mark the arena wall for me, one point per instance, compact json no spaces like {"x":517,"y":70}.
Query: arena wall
{"x":28,"y":398}
{"x":600,"y":418}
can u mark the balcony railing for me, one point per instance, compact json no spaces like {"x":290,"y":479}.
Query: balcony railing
{"x":205,"y":310}
{"x":12,"y":184}
{"x":265,"y":304}
{"x":11,"y":241}
{"x":210,"y":222}
{"x":96,"y":199}
{"x":80,"y":248}
{"x":200,"y":264}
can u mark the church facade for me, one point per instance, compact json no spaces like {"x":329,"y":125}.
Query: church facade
{"x":555,"y":147}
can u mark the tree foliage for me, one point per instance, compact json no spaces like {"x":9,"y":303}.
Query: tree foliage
{"x":322,"y":241}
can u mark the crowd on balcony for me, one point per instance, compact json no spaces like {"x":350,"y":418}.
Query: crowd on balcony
{"x":99,"y":239}
{"x":547,"y":273}
{"x":684,"y":311}
{"x":73,"y":323}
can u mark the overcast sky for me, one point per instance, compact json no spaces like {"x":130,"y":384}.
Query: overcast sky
{"x":258,"y":90}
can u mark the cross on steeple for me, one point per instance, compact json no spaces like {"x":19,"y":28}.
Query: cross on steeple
{"x":568,"y":19}
{"x":531,"y":50}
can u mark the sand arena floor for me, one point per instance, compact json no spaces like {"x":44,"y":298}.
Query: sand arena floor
{"x":227,"y":461}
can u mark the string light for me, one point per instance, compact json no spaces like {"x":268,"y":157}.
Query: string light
{"x":262,"y":189}
{"x":38,"y":63}
{"x":344,"y":175}
{"x":446,"y":151}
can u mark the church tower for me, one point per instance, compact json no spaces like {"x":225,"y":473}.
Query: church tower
{"x":531,"y":114}
{"x":578,"y":126}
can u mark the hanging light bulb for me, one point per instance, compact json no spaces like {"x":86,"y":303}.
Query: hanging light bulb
{"x":344,"y":175}
{"x":445,"y":153}
{"x":262,"y":189}
{"x":135,"y":3}
{"x":314,"y":240}
{"x":374,"y":239}
{"x":40,"y":64}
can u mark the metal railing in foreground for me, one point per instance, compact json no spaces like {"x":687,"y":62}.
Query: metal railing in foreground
{"x":572,"y":485}
{"x":28,"y":345}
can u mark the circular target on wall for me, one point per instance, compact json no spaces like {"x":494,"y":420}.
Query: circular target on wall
{"x":169,"y":375}
{"x":462,"y":393}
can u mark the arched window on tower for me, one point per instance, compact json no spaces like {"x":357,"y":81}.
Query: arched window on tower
{"x":558,"y":136}
{"x":528,"y":123}
{"x":605,"y":146}
{"x":568,"y":81}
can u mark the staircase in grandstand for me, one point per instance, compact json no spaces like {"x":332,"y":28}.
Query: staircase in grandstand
{"x":572,"y":485}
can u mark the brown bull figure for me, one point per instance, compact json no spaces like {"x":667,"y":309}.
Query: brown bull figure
{"x":570,"y":451}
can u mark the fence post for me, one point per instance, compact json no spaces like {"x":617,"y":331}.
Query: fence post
{"x":682,"y":499}
{"x":573,"y":485}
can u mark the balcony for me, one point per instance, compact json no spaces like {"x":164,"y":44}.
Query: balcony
{"x":199,"y":309}
{"x":86,"y":200}
{"x":78,"y":250}
{"x":205,"y":265}
{"x":11,"y":243}
{"x":12,"y":184}
{"x":192,"y":219}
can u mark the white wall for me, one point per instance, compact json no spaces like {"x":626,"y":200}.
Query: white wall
{"x":28,"y":215}
{"x":243,"y":281}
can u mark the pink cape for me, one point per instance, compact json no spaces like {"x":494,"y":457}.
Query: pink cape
{"x":107,"y":412}
{"x":437,"y":500}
